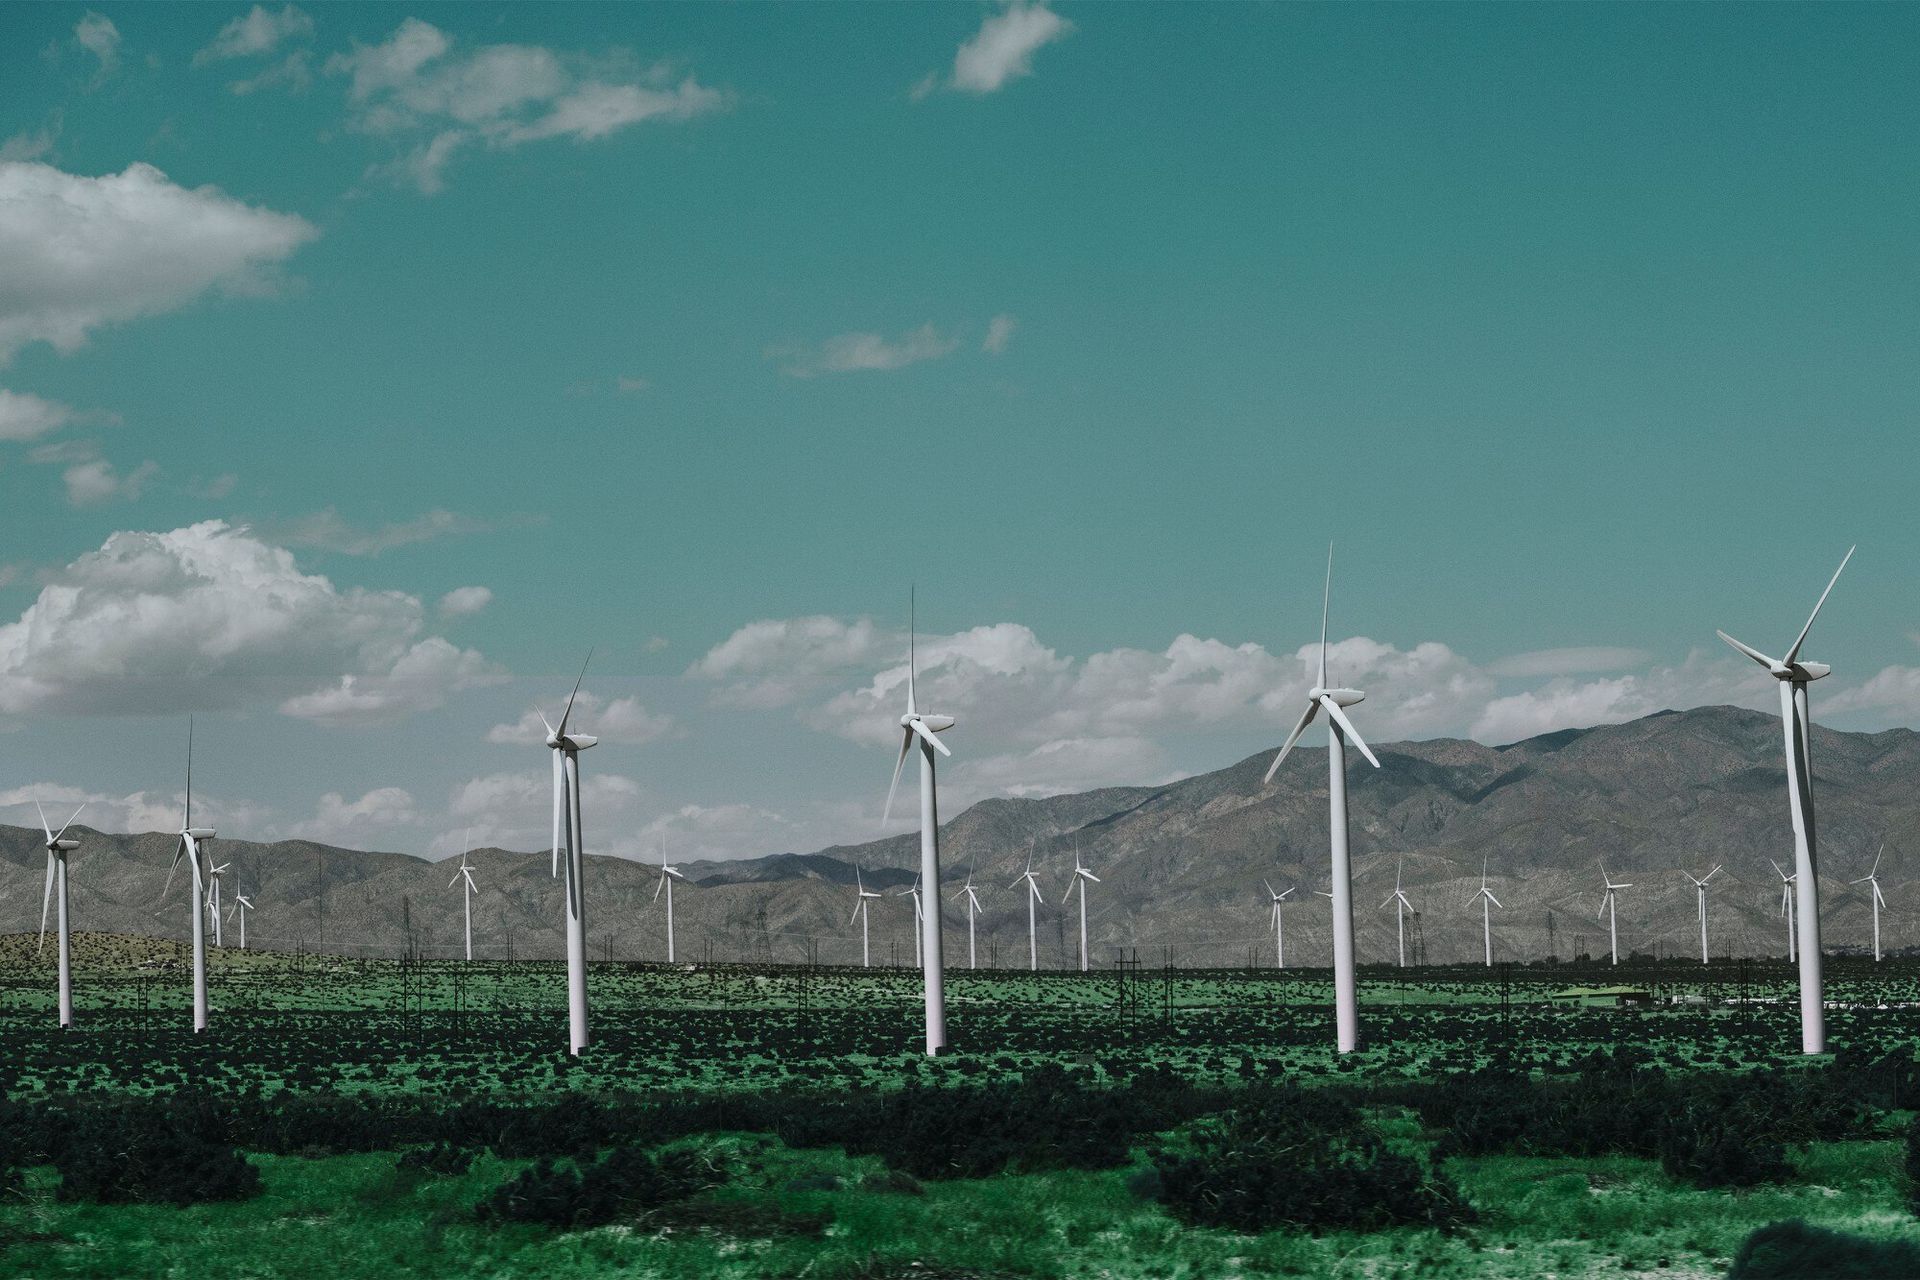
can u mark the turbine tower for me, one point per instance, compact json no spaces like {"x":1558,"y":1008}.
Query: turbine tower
{"x":918,"y":730}
{"x":973,"y":909}
{"x":241,"y":905}
{"x":1607,"y":910}
{"x":1871,"y":879}
{"x":213,"y":900}
{"x":919,"y":920}
{"x":58,"y":847}
{"x":1279,"y":934}
{"x":1487,"y":903}
{"x":1346,"y":1008}
{"x":1794,"y":676}
{"x":861,"y":897}
{"x":191,"y":838}
{"x":667,"y":876}
{"x":1079,"y":881}
{"x":1033,"y":896}
{"x":1787,"y":906}
{"x":464,"y":878}
{"x":566,"y":749}
{"x":1401,"y":908}
{"x":1700,"y":887}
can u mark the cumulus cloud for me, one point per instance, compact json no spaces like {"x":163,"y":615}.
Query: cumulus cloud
{"x":1000,"y":51}
{"x":32,"y":144}
{"x":1564,"y":703}
{"x":97,"y":481}
{"x":24,"y":416}
{"x":855,"y":352}
{"x":293,"y":73}
{"x":326,"y":530}
{"x":78,"y":253}
{"x":209,"y":617}
{"x":622,"y":720}
{"x":417,"y":85}
{"x":515,"y":809}
{"x":254,"y":34}
{"x":999,"y":334}
{"x":98,"y":36}
{"x":135,"y":811}
{"x":1582,"y":660}
{"x":463,"y":602}
{"x":361,"y":823}
{"x":1893,"y":690}
{"x":774,"y":662}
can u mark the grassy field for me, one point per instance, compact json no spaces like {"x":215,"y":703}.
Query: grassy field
{"x":287,"y":1025}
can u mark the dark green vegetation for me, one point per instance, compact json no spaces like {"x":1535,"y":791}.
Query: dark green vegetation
{"x":421,"y":1119}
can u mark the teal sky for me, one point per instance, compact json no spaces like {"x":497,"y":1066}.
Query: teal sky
{"x":1576,"y":327}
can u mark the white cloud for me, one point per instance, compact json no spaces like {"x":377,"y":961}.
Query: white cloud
{"x":1579,"y":661}
{"x":999,"y":334}
{"x":1001,"y":50}
{"x":211,"y":617}
{"x":361,"y":823}
{"x":217,"y":488}
{"x":774,"y":662}
{"x":96,"y":481}
{"x":32,"y":144}
{"x":24,"y":416}
{"x":77,"y":253}
{"x":1565,"y":703}
{"x":257,"y":32}
{"x":98,"y":36}
{"x":294,"y":73}
{"x":136,"y":811}
{"x":416,"y":83}
{"x":326,"y":530}
{"x":515,"y":810}
{"x":463,"y":602}
{"x":1893,"y":690}
{"x":1062,"y":766}
{"x":623,"y":721}
{"x":855,"y":352}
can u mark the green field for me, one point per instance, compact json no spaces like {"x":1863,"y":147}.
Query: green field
{"x":425,"y":1038}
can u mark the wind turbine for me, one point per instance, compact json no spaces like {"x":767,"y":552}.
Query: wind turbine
{"x":1079,"y":881}
{"x":1033,"y":896}
{"x":667,"y":876}
{"x":189,"y":849}
{"x":1279,"y":935}
{"x":58,"y":847}
{"x":973,"y":909}
{"x":1794,"y":676}
{"x":1607,"y":910}
{"x":1487,"y":903}
{"x":468,"y":889}
{"x":566,"y":814}
{"x":1871,"y":879}
{"x":241,"y":905}
{"x":1346,"y":1007}
{"x":1787,"y":905}
{"x":1401,"y":906}
{"x":861,"y":897}
{"x":914,"y":725}
{"x":919,"y":919}
{"x":213,"y":900}
{"x":1700,"y":886}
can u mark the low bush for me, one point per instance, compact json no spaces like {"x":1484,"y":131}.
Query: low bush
{"x":1714,"y":1144}
{"x":168,"y":1152}
{"x":441,"y":1158}
{"x":1792,"y":1250}
{"x":624,"y":1183}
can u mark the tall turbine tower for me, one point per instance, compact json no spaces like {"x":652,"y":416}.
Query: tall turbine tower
{"x":1346,"y":1007}
{"x":566,"y":749}
{"x":1401,"y":909}
{"x":861,"y":897}
{"x":1794,"y":676}
{"x":1607,"y":910}
{"x":917,"y":730}
{"x":1079,"y":881}
{"x":667,"y":876}
{"x":1787,"y":905}
{"x":464,"y":878}
{"x":213,"y":901}
{"x":191,"y":838}
{"x":919,"y":922}
{"x":1700,"y":887}
{"x":58,"y":847}
{"x":1871,"y":879}
{"x":973,"y":909}
{"x":1487,"y":903}
{"x":1279,"y":933}
{"x":241,"y":905}
{"x":1033,"y":896}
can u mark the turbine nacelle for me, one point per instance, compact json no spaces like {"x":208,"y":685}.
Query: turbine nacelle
{"x":939,"y":724}
{"x":1341,"y":697}
{"x":64,"y":846}
{"x":197,"y":834}
{"x":571,"y":741}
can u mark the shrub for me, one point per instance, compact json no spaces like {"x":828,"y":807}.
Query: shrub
{"x":1717,"y":1145}
{"x":441,"y":1158}
{"x":624,"y":1182}
{"x":1792,"y":1250}
{"x":1913,"y":1164}
{"x":159,"y":1152}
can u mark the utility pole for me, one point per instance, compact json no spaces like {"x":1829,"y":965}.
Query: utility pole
{"x":1553,"y":948}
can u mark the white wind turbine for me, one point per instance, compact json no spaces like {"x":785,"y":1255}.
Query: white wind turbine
{"x":1700,"y":887}
{"x":918,"y":731}
{"x":1401,"y":907}
{"x":241,"y":905}
{"x":1796,"y":722}
{"x":1346,"y":1006}
{"x":1487,"y":903}
{"x":1033,"y":896}
{"x":213,"y":900}
{"x":58,"y":847}
{"x":1607,"y":910}
{"x":973,"y":909}
{"x":1079,"y":881}
{"x":191,"y":838}
{"x":463,"y":877}
{"x":1279,"y":933}
{"x":861,"y":897}
{"x":1871,"y":879}
{"x":667,"y":876}
{"x":1787,"y":908}
{"x":566,"y":749}
{"x":919,"y":920}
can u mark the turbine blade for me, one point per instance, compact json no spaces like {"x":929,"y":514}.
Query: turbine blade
{"x":1285,"y":747}
{"x":43,"y":821}
{"x":575,"y":693}
{"x":1269,"y":884}
{"x":1876,"y":859}
{"x":1747,"y":649}
{"x":658,"y":885}
{"x":543,"y":720}
{"x":932,"y":741}
{"x":913,"y":592}
{"x":70,"y":821}
{"x":906,"y":745}
{"x":1326,"y":600}
{"x":559,"y":803}
{"x":46,"y":899}
{"x":1794,"y":652}
{"x":1496,"y":902}
{"x":1340,"y":718}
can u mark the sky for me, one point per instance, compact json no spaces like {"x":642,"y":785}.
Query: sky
{"x":361,"y":368}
